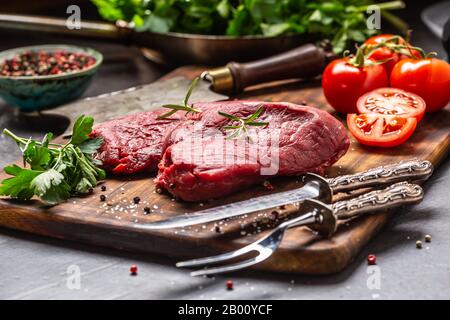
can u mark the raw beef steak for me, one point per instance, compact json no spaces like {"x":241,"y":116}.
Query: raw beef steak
{"x":201,"y":162}
{"x":134,"y":143}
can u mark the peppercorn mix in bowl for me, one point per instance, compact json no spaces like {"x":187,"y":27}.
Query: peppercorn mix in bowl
{"x":42,"y":77}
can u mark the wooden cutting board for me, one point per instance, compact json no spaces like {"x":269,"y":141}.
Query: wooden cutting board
{"x":111,"y":224}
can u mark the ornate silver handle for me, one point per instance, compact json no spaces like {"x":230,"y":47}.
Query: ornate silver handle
{"x":396,"y":195}
{"x":323,"y":218}
{"x":412,"y":170}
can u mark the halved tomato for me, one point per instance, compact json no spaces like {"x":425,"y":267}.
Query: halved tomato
{"x":391,"y":101}
{"x":381,"y":130}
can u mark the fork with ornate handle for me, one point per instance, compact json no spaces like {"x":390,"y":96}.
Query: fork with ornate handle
{"x":318,"y":216}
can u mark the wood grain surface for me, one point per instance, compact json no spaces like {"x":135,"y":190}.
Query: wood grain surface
{"x":113,"y":223}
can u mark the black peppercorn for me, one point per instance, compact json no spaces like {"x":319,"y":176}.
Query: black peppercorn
{"x":103,"y":188}
{"x":147,"y":210}
{"x":275,"y":214}
{"x":136,"y":200}
{"x":102,"y":197}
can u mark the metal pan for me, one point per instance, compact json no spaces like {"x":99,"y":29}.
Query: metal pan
{"x":173,"y":48}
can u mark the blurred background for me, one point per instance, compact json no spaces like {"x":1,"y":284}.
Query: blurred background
{"x":125,"y":66}
{"x":119,"y":54}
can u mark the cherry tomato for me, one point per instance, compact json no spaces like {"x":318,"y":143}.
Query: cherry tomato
{"x":343,"y":83}
{"x":392,"y":101}
{"x":385,"y":53}
{"x":429,"y":78}
{"x":380,"y":130}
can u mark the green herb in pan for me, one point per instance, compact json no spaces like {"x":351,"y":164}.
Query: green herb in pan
{"x":341,"y":21}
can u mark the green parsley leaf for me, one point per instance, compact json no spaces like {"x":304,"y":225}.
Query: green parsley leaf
{"x":81,"y":129}
{"x":37,"y":157}
{"x":56,"y":194}
{"x":90,"y":146}
{"x":19,"y":186}
{"x":45,"y":180}
{"x":50,"y":186}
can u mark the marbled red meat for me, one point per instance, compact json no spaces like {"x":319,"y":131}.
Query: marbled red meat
{"x":200,"y":163}
{"x":134,"y":143}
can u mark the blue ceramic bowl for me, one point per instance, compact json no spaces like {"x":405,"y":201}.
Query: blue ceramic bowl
{"x":35,"y":93}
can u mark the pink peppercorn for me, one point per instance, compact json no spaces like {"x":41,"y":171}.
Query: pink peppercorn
{"x":133,"y":269}
{"x":31,"y":63}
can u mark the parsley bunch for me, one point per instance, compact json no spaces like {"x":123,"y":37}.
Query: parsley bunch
{"x":56,"y":172}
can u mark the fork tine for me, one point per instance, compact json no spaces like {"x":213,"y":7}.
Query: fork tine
{"x":255,"y":246}
{"x":263,"y":255}
{"x":218,"y":258}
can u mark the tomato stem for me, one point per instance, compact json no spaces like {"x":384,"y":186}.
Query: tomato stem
{"x":432,"y":54}
{"x":398,"y":45}
{"x":360,"y":58}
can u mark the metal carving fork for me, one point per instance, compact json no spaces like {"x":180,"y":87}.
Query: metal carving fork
{"x":316,"y":215}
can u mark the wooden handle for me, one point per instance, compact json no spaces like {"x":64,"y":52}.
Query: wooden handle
{"x":303,"y":62}
{"x":99,"y":30}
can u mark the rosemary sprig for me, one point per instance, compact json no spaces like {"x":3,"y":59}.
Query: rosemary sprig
{"x":243,"y":123}
{"x":185,"y":106}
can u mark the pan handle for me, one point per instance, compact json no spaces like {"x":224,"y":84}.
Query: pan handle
{"x":97,"y":30}
{"x":306,"y":61}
